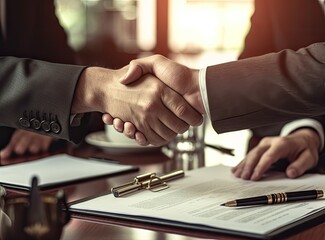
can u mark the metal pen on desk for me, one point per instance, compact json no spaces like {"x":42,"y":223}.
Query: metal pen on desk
{"x":276,"y":198}
{"x":148,"y":181}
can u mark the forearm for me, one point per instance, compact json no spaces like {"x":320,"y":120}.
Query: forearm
{"x":268,"y":89}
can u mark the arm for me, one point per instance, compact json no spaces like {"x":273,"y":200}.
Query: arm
{"x":40,"y":43}
{"x":253,"y":92}
{"x":274,"y":88}
{"x":41,"y":90}
{"x":153,"y":107}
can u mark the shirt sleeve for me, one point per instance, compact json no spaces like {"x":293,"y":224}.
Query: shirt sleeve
{"x":203,"y":90}
{"x":303,"y":123}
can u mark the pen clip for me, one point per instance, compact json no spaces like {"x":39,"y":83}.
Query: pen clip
{"x":149,"y":181}
{"x":156,"y":184}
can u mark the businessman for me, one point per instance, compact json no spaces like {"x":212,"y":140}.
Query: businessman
{"x":278,"y":25}
{"x":55,"y":99}
{"x":30,"y":29}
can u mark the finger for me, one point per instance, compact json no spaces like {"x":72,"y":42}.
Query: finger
{"x":134,"y":72}
{"x":237,"y":170}
{"x":6,"y":152}
{"x":22,"y":145}
{"x":35,"y":146}
{"x":155,"y":137}
{"x":107,"y":119}
{"x":129,"y":130}
{"x":46,"y":144}
{"x":40,"y":144}
{"x":160,"y":129}
{"x":273,"y":154}
{"x":253,"y":157}
{"x":304,"y":162}
{"x":118,"y":124}
{"x":9,"y":149}
{"x":185,"y":114}
{"x":141,"y":139}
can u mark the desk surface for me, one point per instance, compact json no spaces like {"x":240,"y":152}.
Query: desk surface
{"x":90,"y":228}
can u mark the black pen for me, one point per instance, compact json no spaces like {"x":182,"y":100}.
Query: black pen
{"x":228,"y":151}
{"x":276,"y":198}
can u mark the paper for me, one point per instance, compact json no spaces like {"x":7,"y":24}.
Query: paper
{"x":196,"y":199}
{"x":57,"y":170}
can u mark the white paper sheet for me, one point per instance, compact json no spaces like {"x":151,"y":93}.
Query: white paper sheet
{"x":196,"y":199}
{"x":56,"y":170}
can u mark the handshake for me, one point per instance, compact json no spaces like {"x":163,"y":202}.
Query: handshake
{"x":152,"y":99}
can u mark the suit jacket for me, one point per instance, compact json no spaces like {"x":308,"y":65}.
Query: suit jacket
{"x":278,"y":25}
{"x":275,"y":87}
{"x":36,"y":90}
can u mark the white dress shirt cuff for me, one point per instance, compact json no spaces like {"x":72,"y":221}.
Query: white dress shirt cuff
{"x":203,"y":90}
{"x":302,"y":123}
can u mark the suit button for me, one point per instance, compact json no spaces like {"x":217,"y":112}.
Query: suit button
{"x":45,"y":126}
{"x":35,"y":123}
{"x":24,"y":122}
{"x":55,"y":127}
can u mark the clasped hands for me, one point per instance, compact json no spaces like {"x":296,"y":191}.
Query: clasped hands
{"x":174,"y":102}
{"x":153,"y":99}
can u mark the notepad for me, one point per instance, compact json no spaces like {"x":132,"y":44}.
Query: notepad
{"x":193,"y":203}
{"x":58,"y":170}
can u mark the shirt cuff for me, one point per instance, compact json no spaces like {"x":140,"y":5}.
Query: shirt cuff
{"x":303,"y":123}
{"x":203,"y":90}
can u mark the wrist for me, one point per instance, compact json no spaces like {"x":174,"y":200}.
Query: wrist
{"x":88,"y":91}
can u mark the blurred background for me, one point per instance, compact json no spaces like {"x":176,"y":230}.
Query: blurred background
{"x":113,"y":32}
{"x":197,"y":33}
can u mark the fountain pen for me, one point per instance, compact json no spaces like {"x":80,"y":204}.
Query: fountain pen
{"x":276,"y":198}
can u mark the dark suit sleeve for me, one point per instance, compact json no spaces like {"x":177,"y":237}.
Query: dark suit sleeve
{"x":34,"y":92}
{"x":267,"y":89}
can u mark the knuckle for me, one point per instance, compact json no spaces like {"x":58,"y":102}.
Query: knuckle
{"x":180,"y":110}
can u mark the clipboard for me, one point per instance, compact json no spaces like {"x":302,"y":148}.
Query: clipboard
{"x":167,"y":221}
{"x":59,"y":170}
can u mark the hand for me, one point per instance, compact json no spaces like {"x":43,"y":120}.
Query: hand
{"x":23,"y":141}
{"x":300,"y":148}
{"x":178,"y":77}
{"x":127,"y":128}
{"x":150,"y":105}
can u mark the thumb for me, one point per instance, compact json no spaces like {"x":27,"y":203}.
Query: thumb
{"x":298,"y":167}
{"x":134,"y":72}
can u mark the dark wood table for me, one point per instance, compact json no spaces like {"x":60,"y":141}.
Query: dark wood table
{"x":85,"y":228}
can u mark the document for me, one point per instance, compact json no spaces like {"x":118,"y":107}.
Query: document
{"x":194,"y":202}
{"x":58,"y":170}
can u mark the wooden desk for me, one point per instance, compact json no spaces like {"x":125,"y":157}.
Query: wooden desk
{"x":90,"y":228}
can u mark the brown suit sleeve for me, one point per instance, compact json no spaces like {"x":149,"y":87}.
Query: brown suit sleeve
{"x":268,"y":89}
{"x":37,"y":96}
